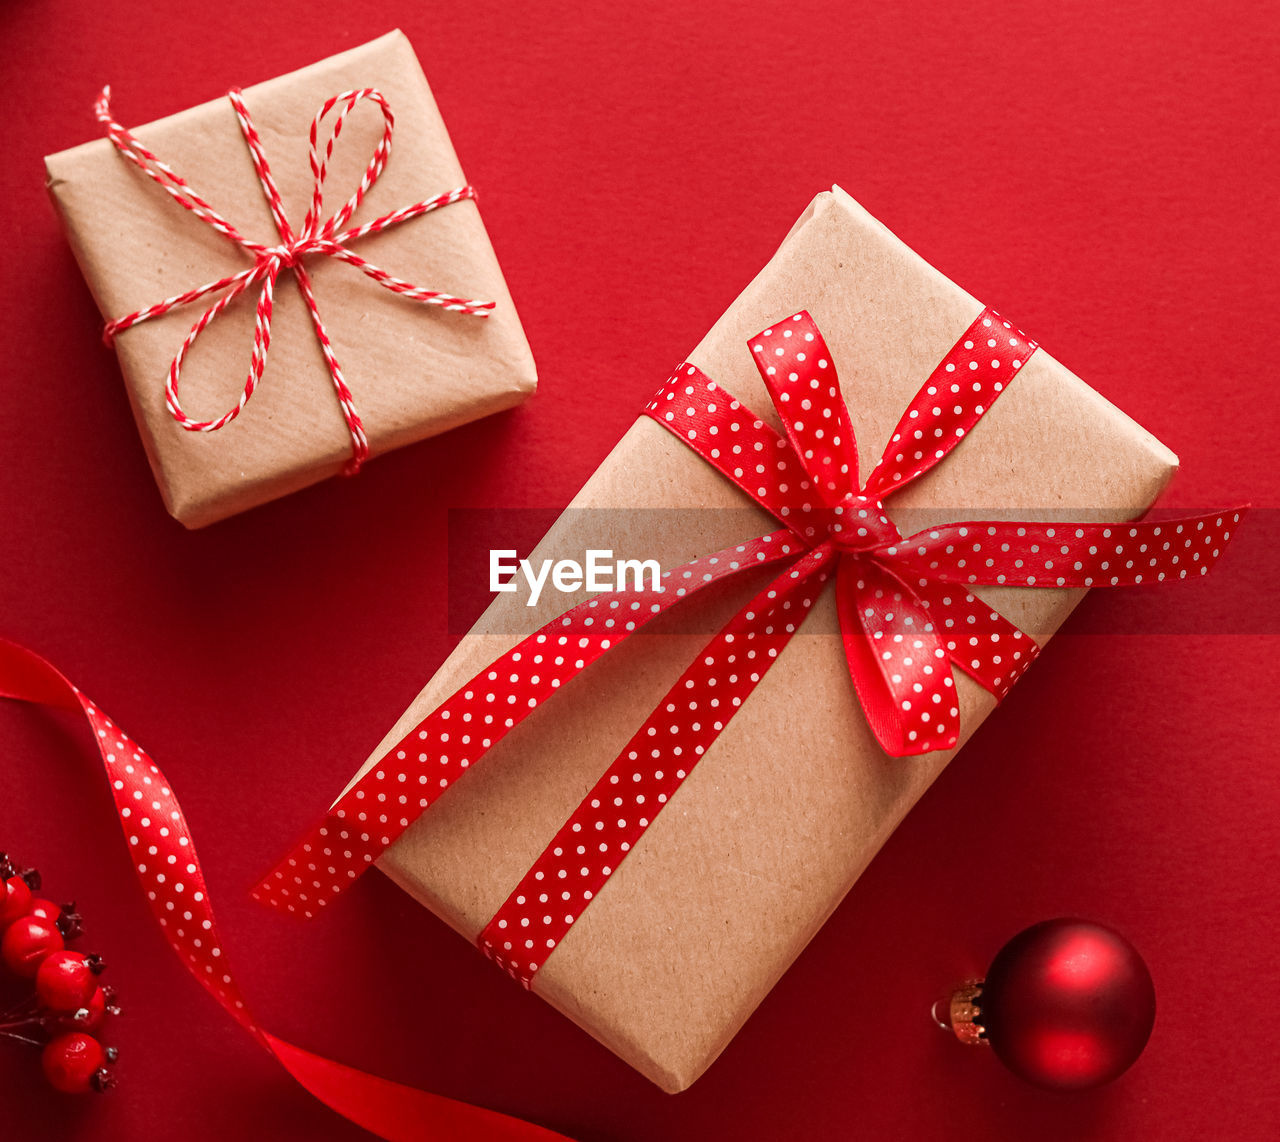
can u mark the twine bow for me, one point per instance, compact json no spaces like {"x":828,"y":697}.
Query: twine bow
{"x":329,"y":237}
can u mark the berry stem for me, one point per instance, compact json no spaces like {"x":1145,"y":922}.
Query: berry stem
{"x":26,"y":1008}
{"x":19,"y":1038}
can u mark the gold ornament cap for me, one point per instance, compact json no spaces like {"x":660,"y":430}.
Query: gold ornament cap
{"x":964,"y":1014}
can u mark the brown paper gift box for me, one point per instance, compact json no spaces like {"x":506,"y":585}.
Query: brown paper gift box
{"x":779,"y":818}
{"x":415,"y":370}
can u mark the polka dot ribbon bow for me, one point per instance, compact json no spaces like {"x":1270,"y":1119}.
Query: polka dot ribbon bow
{"x":163,"y":854}
{"x":330,"y":238}
{"x":906,"y":612}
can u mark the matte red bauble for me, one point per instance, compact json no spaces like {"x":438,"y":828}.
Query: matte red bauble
{"x":1066,"y":1005}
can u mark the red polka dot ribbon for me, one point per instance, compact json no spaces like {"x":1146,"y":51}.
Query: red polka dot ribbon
{"x":440,"y":749}
{"x":907,"y":617}
{"x":329,"y":238}
{"x":165,"y":861}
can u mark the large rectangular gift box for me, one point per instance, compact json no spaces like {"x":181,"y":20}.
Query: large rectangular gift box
{"x":414,"y":369}
{"x":789,"y":804}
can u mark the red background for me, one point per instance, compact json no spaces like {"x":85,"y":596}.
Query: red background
{"x":1106,"y":173}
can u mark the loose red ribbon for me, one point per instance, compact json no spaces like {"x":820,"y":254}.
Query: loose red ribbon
{"x":165,"y":861}
{"x":907,"y":618}
{"x":329,"y":238}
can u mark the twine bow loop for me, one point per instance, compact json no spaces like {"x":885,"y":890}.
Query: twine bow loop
{"x":331,"y":237}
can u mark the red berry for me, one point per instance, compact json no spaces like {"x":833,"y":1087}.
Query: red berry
{"x":26,"y":943}
{"x":65,"y":981}
{"x":94,"y":1010}
{"x":72,"y":1061}
{"x":45,"y":910}
{"x":65,"y":918}
{"x":16,"y":901}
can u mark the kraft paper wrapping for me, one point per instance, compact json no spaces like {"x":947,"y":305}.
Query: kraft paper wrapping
{"x":782,"y":814}
{"x":415,"y":370}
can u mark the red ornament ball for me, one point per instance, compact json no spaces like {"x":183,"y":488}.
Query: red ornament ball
{"x":72,"y":1061}
{"x":1068,"y":1004}
{"x":26,"y":943}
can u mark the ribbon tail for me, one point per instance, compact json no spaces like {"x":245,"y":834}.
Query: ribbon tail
{"x":1058,"y":554}
{"x":396,"y":789}
{"x":396,"y":1112}
{"x":144,"y":799}
{"x":897,"y":661}
{"x":979,"y":640}
{"x":26,"y":677}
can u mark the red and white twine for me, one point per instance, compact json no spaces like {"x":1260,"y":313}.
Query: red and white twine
{"x":327,"y":238}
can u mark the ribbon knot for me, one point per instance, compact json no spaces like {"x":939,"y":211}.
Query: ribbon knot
{"x":859,"y":523}
{"x":286,"y":256}
{"x":331,"y":239}
{"x":907,"y":615}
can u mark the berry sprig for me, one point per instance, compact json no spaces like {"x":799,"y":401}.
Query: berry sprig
{"x":68,"y":1001}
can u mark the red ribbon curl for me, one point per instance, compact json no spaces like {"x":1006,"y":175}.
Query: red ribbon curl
{"x":167,"y":867}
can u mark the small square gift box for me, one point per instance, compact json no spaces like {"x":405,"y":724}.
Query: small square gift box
{"x":669,"y":787}
{"x":287,"y":302}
